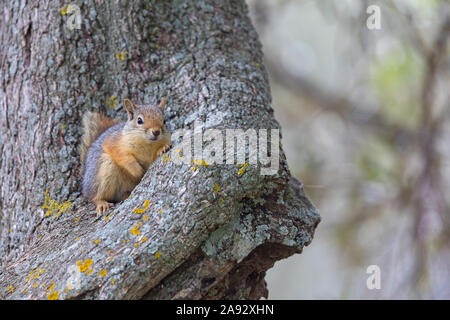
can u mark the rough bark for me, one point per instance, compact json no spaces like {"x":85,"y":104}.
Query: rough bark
{"x":194,"y":241}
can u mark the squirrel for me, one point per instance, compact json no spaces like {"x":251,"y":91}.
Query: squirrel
{"x":115,"y":155}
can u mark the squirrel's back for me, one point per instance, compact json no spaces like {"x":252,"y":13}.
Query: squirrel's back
{"x":94,"y":124}
{"x":94,"y":153}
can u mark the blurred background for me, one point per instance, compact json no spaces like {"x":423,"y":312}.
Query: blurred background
{"x":365,"y":116}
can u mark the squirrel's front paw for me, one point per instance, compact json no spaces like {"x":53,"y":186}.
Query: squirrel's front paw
{"x":102,"y":207}
{"x":163,"y":149}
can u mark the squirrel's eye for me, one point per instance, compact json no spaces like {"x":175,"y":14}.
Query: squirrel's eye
{"x":139,"y":120}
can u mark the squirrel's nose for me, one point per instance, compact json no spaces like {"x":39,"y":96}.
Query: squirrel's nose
{"x":155,"y":132}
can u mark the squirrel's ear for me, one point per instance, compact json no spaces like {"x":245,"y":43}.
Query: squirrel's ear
{"x":162,"y":104}
{"x":130,"y":107}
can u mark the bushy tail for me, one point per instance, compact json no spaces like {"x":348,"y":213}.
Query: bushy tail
{"x":94,"y":124}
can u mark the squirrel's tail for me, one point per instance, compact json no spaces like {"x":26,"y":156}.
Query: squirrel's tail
{"x":94,"y":124}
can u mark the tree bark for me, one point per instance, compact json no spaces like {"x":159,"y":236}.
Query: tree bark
{"x":206,"y":233}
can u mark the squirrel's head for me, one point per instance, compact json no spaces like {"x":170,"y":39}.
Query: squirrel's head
{"x":146,"y":121}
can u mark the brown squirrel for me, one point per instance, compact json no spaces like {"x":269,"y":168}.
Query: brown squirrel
{"x":115,"y":155}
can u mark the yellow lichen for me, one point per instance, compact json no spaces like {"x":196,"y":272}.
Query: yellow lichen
{"x":135,"y":231}
{"x":216,"y":188}
{"x":121,"y":55}
{"x":103,"y":273}
{"x":200,"y":162}
{"x":242,"y":168}
{"x":146,"y":207}
{"x":64,"y":10}
{"x":111,"y":102}
{"x":83,"y":266}
{"x":10,"y":289}
{"x":145,"y":218}
{"x":144,"y":239}
{"x":89,"y":271}
{"x":34,"y":274}
{"x":53,"y":207}
{"x":53,"y":296}
{"x":157,"y":255}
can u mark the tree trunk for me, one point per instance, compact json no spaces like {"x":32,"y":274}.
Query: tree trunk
{"x":199,"y":232}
